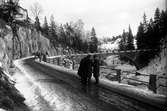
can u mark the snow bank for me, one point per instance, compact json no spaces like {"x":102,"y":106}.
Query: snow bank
{"x":123,"y":67}
{"x":110,"y":45}
{"x":158,"y":66}
{"x":126,"y":67}
{"x":129,"y":91}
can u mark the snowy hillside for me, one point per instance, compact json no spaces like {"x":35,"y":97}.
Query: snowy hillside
{"x":158,"y":65}
{"x":110,"y":45}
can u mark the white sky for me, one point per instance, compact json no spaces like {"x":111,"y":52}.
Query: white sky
{"x":109,"y":17}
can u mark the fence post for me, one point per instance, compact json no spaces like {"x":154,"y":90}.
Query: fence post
{"x":118,"y":75}
{"x":53,"y":61}
{"x":58,"y":61}
{"x":47,"y":60}
{"x":50,"y":61}
{"x":73,"y":64}
{"x":152,"y":83}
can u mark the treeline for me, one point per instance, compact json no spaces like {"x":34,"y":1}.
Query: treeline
{"x":126,"y":43}
{"x":149,"y":36}
{"x":127,"y":40}
{"x":71,"y":35}
{"x":109,"y":39}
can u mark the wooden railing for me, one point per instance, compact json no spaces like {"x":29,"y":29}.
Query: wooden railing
{"x":151,"y":83}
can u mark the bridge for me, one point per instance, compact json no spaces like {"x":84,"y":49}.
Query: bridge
{"x":151,"y":79}
{"x":130,"y":55}
{"x":59,"y":88}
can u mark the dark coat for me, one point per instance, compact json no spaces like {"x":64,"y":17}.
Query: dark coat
{"x":88,"y":67}
{"x":44,"y":57}
{"x":96,"y":68}
{"x":81,"y":68}
{"x":85,"y":68}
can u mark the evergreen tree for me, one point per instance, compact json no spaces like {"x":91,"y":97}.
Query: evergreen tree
{"x":130,"y":39}
{"x":52,"y":29}
{"x":124,"y":38}
{"x":45,"y":26}
{"x":62,"y":36}
{"x":163,"y":23}
{"x":121,"y":45}
{"x":37,"y":24}
{"x":140,"y":37}
{"x":151,"y":22}
{"x":85,"y":46}
{"x":156,"y":37}
{"x":94,"y":41}
{"x":157,"y":16}
{"x":150,"y":38}
{"x":145,"y":22}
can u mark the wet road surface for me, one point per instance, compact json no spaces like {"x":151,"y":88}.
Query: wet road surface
{"x":46,"y":89}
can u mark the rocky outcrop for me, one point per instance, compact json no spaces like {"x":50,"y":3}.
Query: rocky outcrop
{"x":31,"y":41}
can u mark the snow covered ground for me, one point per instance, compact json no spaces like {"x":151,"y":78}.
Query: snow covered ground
{"x":44,"y":92}
{"x":110,"y":45}
{"x":126,"y":67}
{"x":54,"y":88}
{"x":158,"y":66}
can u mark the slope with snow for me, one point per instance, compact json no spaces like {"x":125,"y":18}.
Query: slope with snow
{"x":158,"y":66}
{"x":110,"y":45}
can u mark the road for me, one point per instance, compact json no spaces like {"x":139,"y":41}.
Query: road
{"x":47,"y":89}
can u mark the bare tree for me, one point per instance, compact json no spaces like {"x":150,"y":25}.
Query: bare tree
{"x":36,"y":9}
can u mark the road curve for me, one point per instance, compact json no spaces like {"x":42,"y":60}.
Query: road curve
{"x":63,"y":92}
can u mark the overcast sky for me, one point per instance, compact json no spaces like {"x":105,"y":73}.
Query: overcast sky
{"x":109,"y":17}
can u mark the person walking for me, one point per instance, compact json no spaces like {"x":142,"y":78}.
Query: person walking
{"x":85,"y":70}
{"x":88,"y":69}
{"x":40,"y":56}
{"x":96,"y":68}
{"x":44,"y":57}
{"x":81,"y":70}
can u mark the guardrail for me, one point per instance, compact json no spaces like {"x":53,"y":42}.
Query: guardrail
{"x":151,"y":84}
{"x":149,"y":100}
{"x":120,"y":75}
{"x":162,"y":85}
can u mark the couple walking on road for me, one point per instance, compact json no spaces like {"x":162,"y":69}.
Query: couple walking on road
{"x":41,"y":55}
{"x":88,"y":65}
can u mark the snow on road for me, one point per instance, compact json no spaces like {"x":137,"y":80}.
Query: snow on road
{"x":46,"y":93}
{"x":47,"y":89}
